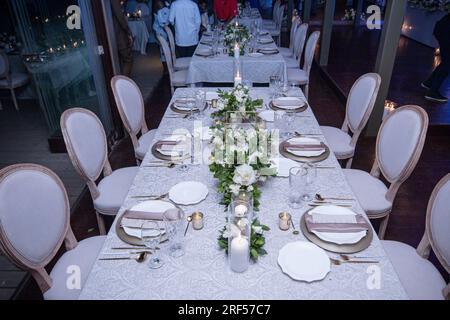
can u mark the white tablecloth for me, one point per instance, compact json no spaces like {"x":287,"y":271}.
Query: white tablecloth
{"x":203,"y":272}
{"x":140,"y":34}
{"x":220,"y":69}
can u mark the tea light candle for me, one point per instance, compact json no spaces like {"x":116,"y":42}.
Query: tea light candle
{"x":285,"y":220}
{"x":197,"y":220}
{"x":240,"y":210}
{"x":239,"y":254}
{"x":139,"y":13}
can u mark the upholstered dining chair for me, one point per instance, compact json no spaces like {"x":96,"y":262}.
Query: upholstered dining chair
{"x":35,"y":222}
{"x":270,"y":23}
{"x":178,"y":63}
{"x":360,"y":102}
{"x":299,"y":44}
{"x":398,"y":148}
{"x":289,"y":51}
{"x":11,"y":80}
{"x":275,"y":31}
{"x":301,"y":76}
{"x":177,"y":78}
{"x":132,"y":112}
{"x":421,"y":280}
{"x":86,"y":145}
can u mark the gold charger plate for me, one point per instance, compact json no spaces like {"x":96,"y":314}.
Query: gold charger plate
{"x":291,"y":156}
{"x":364,"y":243}
{"x":298,"y":110}
{"x":161,"y":156}
{"x":120,"y":232}
{"x":176,"y":110}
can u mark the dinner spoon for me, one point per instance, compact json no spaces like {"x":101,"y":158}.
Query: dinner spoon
{"x":319,"y":197}
{"x":189,"y":219}
{"x":295,"y":232}
{"x":139,"y":258}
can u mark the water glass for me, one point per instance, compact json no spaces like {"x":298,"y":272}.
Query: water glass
{"x":200,"y":102}
{"x":190,"y":104}
{"x":288,"y":119}
{"x":174,"y":223}
{"x":151,"y":234}
{"x":274,"y":85}
{"x":301,"y":184}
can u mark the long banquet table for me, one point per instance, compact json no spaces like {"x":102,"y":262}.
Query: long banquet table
{"x":203,"y":272}
{"x":220,"y":68}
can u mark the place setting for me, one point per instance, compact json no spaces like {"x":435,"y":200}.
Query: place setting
{"x":304,"y":149}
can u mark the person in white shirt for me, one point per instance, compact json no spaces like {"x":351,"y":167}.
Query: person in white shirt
{"x":185,"y":15}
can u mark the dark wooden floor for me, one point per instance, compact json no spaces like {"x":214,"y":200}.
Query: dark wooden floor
{"x":353,"y":52}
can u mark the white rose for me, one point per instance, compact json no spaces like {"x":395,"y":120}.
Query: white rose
{"x":244,"y":175}
{"x":220,"y":104}
{"x":250,"y":188}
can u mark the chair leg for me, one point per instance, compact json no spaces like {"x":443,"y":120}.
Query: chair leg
{"x":13,"y":95}
{"x":306,"y":90}
{"x":349,"y":163}
{"x":383,"y":227}
{"x":101,"y":224}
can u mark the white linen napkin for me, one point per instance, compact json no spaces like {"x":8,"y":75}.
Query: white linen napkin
{"x":306,"y":141}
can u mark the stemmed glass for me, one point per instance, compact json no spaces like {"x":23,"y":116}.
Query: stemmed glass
{"x":190,"y":104}
{"x":151,"y":235}
{"x":174,"y":222}
{"x":200,"y":102}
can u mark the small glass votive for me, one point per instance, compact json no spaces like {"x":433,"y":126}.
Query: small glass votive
{"x":197,"y":220}
{"x":214,"y":103}
{"x":285,"y":221}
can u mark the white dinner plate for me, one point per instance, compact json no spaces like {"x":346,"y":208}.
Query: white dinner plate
{"x":189,"y":192}
{"x":304,"y":261}
{"x":284,"y":165}
{"x":335,"y":237}
{"x":148,"y":206}
{"x":302,"y":153}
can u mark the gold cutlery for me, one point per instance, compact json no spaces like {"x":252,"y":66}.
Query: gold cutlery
{"x":138,"y":258}
{"x":162,"y":165}
{"x":320,"y":198}
{"x":189,"y":219}
{"x":295,"y":232}
{"x":325,"y":203}
{"x":349,"y":258}
{"x":298,"y":134}
{"x":325,"y":167}
{"x":340,"y":262}
{"x":153,"y":197}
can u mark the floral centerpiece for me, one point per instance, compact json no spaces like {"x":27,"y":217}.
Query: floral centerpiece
{"x":236,"y":33}
{"x":240,"y":159}
{"x":257,"y":239}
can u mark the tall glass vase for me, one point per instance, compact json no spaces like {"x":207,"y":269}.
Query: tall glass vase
{"x":239,"y":241}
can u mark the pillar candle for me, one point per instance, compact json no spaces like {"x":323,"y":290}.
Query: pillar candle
{"x":239,"y":254}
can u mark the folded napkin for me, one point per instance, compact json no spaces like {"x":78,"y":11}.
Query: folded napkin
{"x":268,"y":51}
{"x":288,"y":103}
{"x":265,"y":41}
{"x":182,"y":105}
{"x":170,"y":148}
{"x":304,"y":147}
{"x":336,"y":223}
{"x":135,"y":219}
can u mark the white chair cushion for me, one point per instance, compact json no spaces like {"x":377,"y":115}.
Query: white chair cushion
{"x":421,"y":280}
{"x":113,"y":190}
{"x":286,"y":52}
{"x":145,"y":142}
{"x":182,"y":63}
{"x":339,"y":142}
{"x":292,"y":63}
{"x":298,"y":76}
{"x":83,"y":256}
{"x":179,"y":78}
{"x":17,"y":80}
{"x":370,"y":191}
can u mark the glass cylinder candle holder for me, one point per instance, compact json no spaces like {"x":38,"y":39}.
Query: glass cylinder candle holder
{"x":239,"y":240}
{"x":237,"y":72}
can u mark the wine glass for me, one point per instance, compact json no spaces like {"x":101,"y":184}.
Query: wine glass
{"x":175,"y":222}
{"x":151,"y":235}
{"x":190,"y":104}
{"x":200,"y":102}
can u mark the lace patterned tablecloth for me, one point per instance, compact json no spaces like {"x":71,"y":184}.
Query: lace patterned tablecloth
{"x":220,"y":69}
{"x":203,"y":272}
